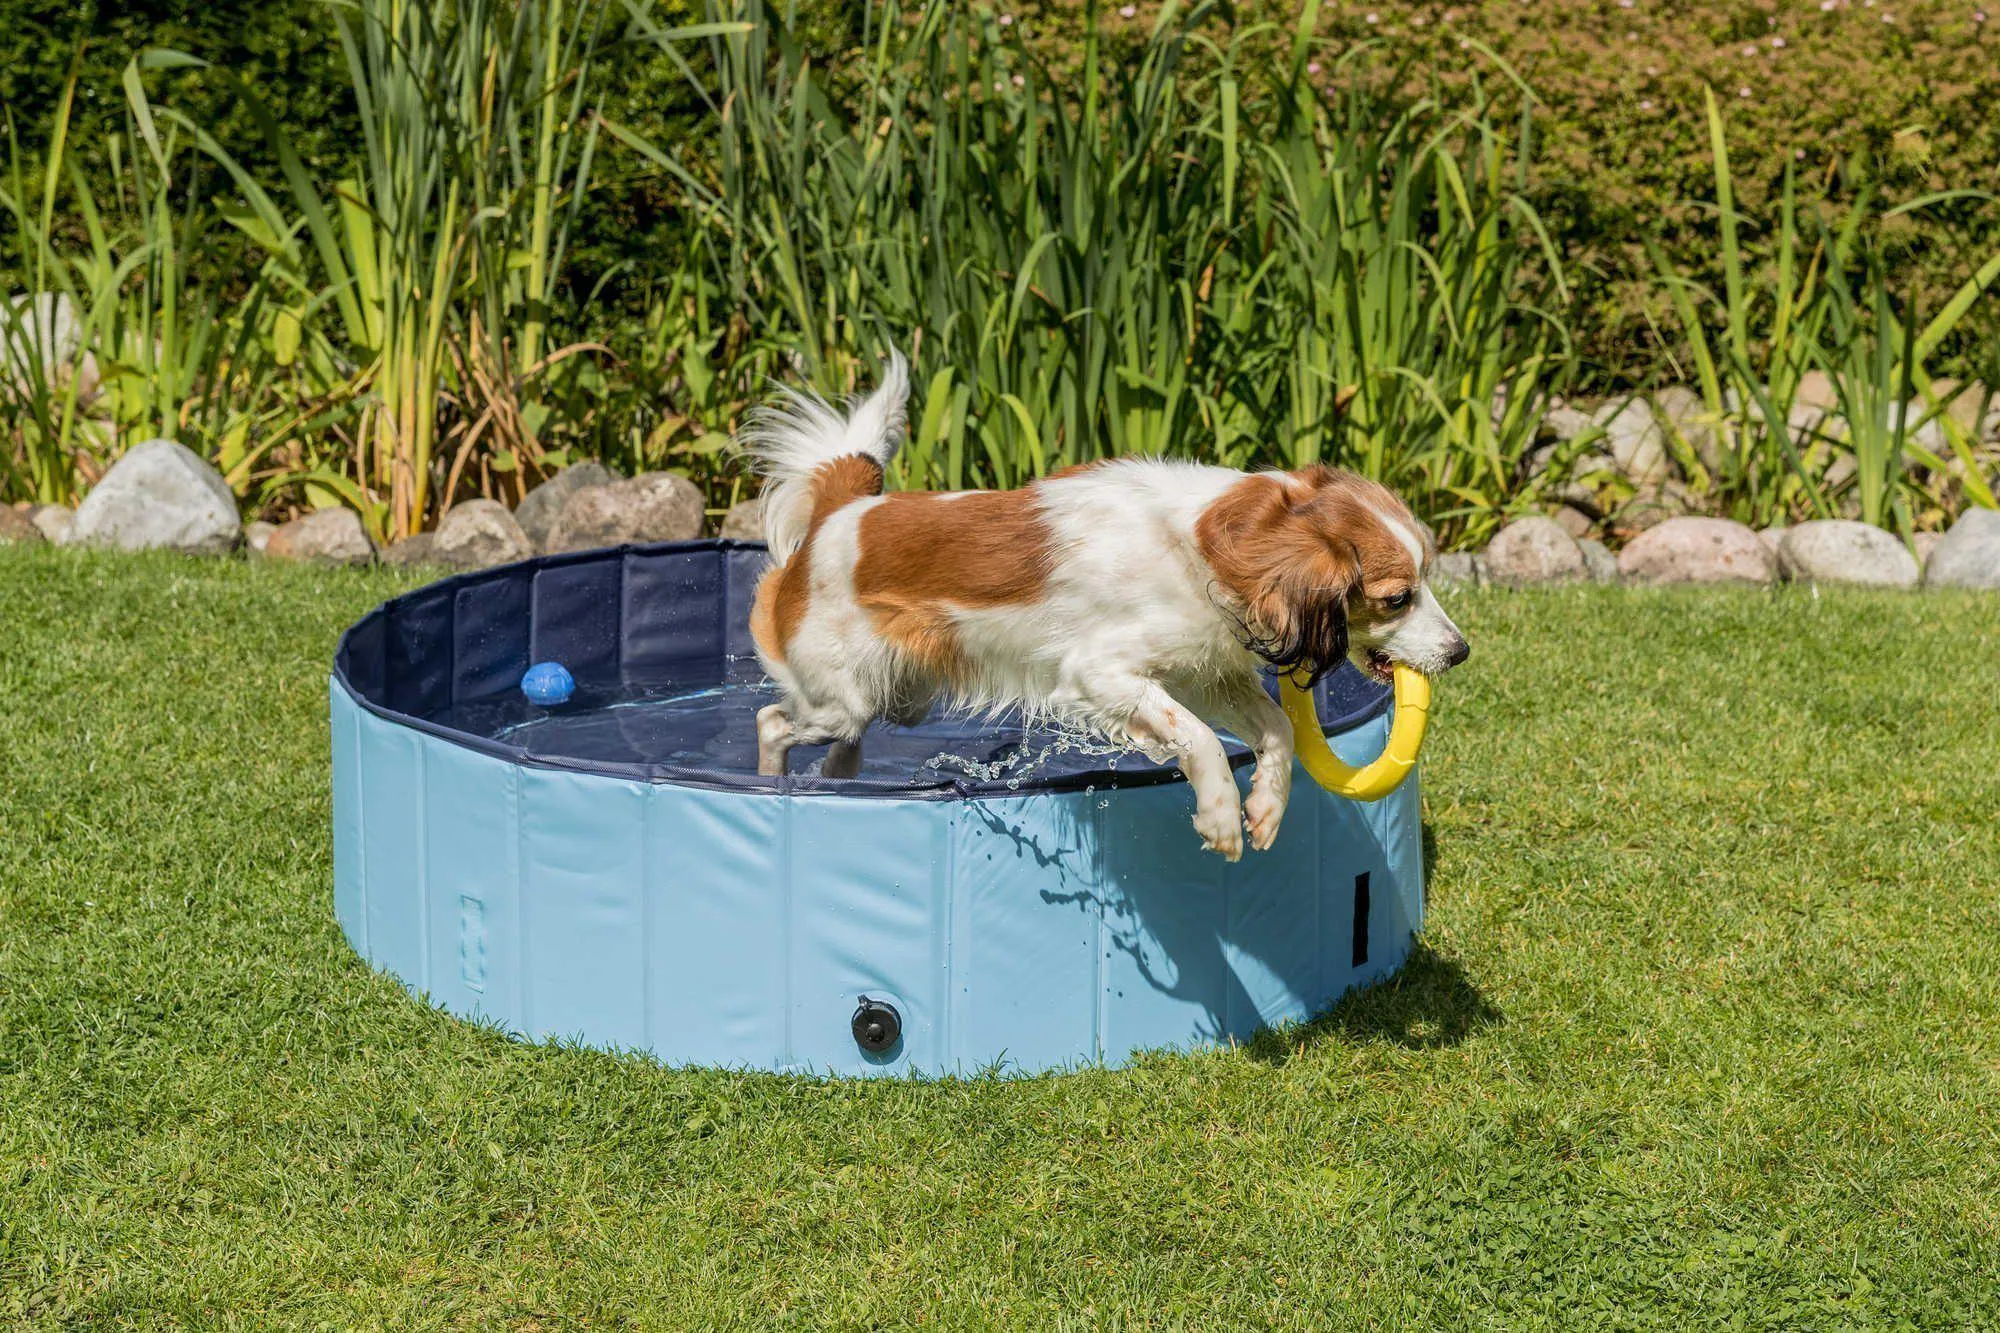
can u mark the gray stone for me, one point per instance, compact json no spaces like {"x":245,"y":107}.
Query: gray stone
{"x":1456,"y":569}
{"x":419,"y":548}
{"x":1923,"y":544}
{"x":17,"y":529}
{"x":1633,"y":436}
{"x":1652,"y":507}
{"x":540,"y":508}
{"x":325,"y":537}
{"x":1597,"y":558}
{"x":651,"y":507}
{"x":44,"y":330}
{"x":745,"y":520}
{"x":1564,"y":423}
{"x":1838,"y":550}
{"x":53,"y":522}
{"x":1574,"y":520}
{"x":1969,"y":554}
{"x":1534,"y":550}
{"x":1698,"y":550}
{"x":478,"y":534}
{"x":1816,"y":389}
{"x":1772,"y":535}
{"x":257,"y":537}
{"x":1686,"y":414}
{"x":159,"y":496}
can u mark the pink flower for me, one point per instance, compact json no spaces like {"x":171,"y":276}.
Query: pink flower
{"x":1006,"y":20}
{"x":1778,"y":43}
{"x":1020,"y":82}
{"x":1646,"y":104}
{"x":1127,"y":11}
{"x":1627,"y":4}
{"x":1826,"y":5}
{"x":1742,"y":92}
{"x":1374,"y":18}
{"x":1799,"y":154}
{"x":1312,"y":67}
{"x":1749,"y":51}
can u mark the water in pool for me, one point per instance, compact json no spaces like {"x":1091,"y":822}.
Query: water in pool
{"x":704,"y":716}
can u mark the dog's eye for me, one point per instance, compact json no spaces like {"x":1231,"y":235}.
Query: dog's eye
{"x":1398,"y":602}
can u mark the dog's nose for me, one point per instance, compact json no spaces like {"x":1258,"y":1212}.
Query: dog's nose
{"x":1459,"y":652}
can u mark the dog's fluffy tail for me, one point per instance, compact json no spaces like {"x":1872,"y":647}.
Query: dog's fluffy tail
{"x":814,"y":459}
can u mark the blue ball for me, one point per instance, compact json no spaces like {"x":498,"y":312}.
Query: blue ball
{"x":548,"y":684}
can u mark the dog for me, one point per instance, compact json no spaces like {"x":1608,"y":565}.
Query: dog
{"x":1136,"y":598}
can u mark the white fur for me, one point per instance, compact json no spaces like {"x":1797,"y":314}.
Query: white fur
{"x":1132,"y":637}
{"x":803,"y":432}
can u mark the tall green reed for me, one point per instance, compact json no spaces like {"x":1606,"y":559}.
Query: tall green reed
{"x":1187,"y":251}
{"x":1823,"y":304}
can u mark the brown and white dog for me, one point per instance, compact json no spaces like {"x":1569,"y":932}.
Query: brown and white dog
{"x":1132,"y":598}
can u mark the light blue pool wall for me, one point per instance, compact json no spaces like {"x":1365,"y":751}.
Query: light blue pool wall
{"x":738,"y":928}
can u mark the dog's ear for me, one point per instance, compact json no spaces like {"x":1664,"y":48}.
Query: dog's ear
{"x":1273,"y":544}
{"x":1301,"y":614}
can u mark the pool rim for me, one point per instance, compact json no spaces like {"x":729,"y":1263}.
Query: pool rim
{"x":947,"y":786}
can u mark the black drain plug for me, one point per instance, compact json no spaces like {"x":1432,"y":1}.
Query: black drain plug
{"x":876,"y":1025}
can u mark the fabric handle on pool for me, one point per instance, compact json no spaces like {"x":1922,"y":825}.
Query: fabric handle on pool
{"x":1382,"y":775}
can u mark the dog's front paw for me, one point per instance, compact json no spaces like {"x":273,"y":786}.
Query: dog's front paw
{"x":1221,"y":828}
{"x":1265,"y":810}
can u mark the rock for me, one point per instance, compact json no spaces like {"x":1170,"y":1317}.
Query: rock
{"x":1597,"y":558}
{"x":1961,"y":403}
{"x":159,"y":496}
{"x":1534,"y":550}
{"x":17,"y":529}
{"x":651,"y":507}
{"x":419,"y":548}
{"x":44,"y":330}
{"x":1633,"y":436}
{"x":1653,"y":507}
{"x":1683,"y":411}
{"x":257,"y":536}
{"x":1816,"y":390}
{"x":1772,"y":535}
{"x":1969,"y":555}
{"x":54,"y":522}
{"x":1838,"y":550}
{"x":745,"y":520}
{"x":1456,"y":569}
{"x":1564,"y":423}
{"x":1924,"y":543}
{"x":1698,"y":550}
{"x":1574,"y":521}
{"x":479,"y":534}
{"x":326,"y":537}
{"x":540,"y":508}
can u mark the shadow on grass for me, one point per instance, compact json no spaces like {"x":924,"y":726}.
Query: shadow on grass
{"x":1429,"y":1003}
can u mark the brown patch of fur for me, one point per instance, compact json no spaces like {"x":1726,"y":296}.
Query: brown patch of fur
{"x":1294,"y":548}
{"x":783,"y":592}
{"x":924,"y":555}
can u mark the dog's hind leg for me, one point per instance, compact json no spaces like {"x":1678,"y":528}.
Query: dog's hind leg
{"x":843,"y":760}
{"x":775,"y":738}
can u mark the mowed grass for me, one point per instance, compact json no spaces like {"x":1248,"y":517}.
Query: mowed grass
{"x":1705,"y":1025}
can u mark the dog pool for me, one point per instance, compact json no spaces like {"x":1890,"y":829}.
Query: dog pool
{"x":983,"y":895}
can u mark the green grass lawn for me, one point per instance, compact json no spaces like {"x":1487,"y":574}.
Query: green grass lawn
{"x":1705,"y":1023}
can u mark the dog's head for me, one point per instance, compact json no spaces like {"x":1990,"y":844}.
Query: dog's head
{"x":1324,"y":565}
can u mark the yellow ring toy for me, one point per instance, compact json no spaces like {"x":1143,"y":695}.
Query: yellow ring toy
{"x":1383,"y":774}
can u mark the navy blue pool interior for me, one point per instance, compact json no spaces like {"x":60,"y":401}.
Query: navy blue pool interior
{"x":984,"y":895}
